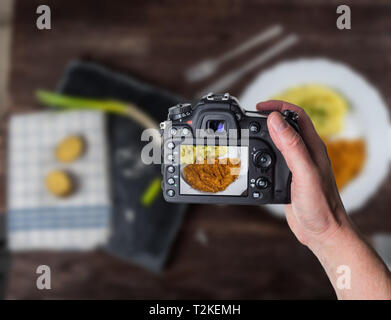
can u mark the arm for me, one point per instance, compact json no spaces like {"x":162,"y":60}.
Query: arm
{"x":317,"y":216}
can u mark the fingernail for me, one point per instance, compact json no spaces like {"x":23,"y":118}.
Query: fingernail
{"x":278,"y":122}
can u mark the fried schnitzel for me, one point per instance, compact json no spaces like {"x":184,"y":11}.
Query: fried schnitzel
{"x":212,"y":177}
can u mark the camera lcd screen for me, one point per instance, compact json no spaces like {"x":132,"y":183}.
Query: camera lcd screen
{"x":213,"y":170}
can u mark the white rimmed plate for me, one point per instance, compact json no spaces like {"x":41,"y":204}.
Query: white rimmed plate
{"x":368,"y":117}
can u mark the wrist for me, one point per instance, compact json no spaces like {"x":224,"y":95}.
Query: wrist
{"x":336,"y":234}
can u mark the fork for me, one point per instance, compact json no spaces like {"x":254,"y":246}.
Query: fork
{"x":208,"y":67}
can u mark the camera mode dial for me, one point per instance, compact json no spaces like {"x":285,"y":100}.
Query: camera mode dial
{"x":179,"y":111}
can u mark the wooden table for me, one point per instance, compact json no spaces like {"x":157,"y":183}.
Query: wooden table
{"x":247,"y":253}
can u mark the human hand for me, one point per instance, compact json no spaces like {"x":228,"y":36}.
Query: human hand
{"x":316,"y":211}
{"x":317,"y":216}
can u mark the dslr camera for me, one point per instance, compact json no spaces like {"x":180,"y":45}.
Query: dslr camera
{"x":217,"y":152}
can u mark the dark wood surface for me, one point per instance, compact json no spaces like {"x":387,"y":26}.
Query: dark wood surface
{"x":248,"y":252}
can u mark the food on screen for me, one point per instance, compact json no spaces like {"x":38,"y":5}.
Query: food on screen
{"x":212,"y":175}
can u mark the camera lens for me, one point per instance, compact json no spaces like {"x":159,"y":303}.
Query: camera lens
{"x":262,"y":159}
{"x":216,"y":125}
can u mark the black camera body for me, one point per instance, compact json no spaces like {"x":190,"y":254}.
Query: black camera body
{"x":216,"y":152}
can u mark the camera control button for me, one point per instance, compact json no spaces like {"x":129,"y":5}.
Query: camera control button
{"x":252,"y":180}
{"x":262,"y":183}
{"x":171,"y":169}
{"x":170,"y":145}
{"x":185,"y":131}
{"x":170,"y":157}
{"x":179,"y":111}
{"x":170,"y":192}
{"x":173,"y":131}
{"x":170,"y":181}
{"x":262,"y":159}
{"x":254,"y":127}
{"x":252,"y":185}
{"x":257,"y":195}
{"x":291,"y":115}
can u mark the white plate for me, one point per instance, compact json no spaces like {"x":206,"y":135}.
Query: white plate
{"x":368,"y":117}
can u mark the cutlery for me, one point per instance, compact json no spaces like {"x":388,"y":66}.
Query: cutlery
{"x":208,"y":67}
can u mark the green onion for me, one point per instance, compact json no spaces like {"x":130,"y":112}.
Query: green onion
{"x":151,"y":192}
{"x":51,"y":99}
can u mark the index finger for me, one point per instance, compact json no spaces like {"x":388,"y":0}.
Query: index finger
{"x":310,"y":137}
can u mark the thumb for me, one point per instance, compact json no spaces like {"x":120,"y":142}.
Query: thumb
{"x":290,"y":144}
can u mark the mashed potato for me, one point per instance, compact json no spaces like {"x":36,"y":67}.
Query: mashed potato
{"x":326,"y":107}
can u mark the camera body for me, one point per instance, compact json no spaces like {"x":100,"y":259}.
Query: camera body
{"x":216,"y":152}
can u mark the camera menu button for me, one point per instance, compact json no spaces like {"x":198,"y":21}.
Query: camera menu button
{"x":171,"y":169}
{"x":170,"y":181}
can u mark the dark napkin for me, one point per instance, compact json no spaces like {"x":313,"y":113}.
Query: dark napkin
{"x":140,"y":234}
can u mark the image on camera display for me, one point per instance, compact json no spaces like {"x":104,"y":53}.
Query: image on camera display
{"x":213,"y":170}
